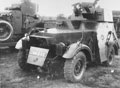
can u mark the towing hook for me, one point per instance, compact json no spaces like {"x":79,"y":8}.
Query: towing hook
{"x":107,"y":44}
{"x":110,"y":32}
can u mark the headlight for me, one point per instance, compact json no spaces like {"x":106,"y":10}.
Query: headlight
{"x":26,"y":37}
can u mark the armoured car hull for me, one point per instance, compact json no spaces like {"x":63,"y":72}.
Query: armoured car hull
{"x":71,"y":45}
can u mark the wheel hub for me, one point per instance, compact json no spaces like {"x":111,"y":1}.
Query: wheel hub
{"x":78,"y":68}
{"x":4,"y":32}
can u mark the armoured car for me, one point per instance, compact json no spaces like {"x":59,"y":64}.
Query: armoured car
{"x":15,"y":21}
{"x":87,"y":36}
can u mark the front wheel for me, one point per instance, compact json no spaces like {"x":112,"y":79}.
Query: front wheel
{"x":22,"y":61}
{"x":75,"y":67}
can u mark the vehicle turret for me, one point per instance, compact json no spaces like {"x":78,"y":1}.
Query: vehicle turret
{"x":90,"y":11}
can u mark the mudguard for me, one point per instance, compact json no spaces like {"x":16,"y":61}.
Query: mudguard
{"x":19,"y":43}
{"x":74,"y":48}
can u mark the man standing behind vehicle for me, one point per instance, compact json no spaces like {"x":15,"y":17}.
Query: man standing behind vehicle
{"x":28,"y":7}
{"x":29,"y":10}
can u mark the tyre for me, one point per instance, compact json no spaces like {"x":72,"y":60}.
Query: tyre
{"x":6,"y":30}
{"x":110,"y":55}
{"x":22,"y":61}
{"x":74,"y":68}
{"x":116,"y":48}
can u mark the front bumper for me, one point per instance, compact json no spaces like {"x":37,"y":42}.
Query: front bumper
{"x":2,"y":44}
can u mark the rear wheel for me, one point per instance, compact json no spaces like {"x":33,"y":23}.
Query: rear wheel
{"x":110,"y":54}
{"x":75,"y":68}
{"x":22,"y":61}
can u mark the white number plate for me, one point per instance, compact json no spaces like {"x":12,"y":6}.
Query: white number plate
{"x":37,"y":56}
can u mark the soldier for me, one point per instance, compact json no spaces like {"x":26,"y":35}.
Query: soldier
{"x":118,"y":24}
{"x":77,"y":9}
{"x":28,"y":7}
{"x":117,"y":27}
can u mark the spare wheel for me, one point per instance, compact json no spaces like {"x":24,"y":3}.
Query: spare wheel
{"x":6,"y":30}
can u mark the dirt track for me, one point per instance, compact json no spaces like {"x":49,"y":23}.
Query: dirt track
{"x":11,"y":76}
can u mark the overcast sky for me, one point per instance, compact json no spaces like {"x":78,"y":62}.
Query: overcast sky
{"x":54,"y":7}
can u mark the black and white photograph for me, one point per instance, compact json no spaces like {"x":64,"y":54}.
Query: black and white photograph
{"x":59,"y":44}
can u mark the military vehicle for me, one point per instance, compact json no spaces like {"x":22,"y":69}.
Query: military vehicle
{"x":86,"y":37}
{"x":14,"y":23}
